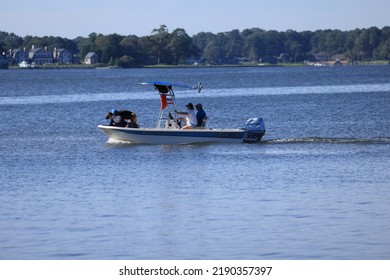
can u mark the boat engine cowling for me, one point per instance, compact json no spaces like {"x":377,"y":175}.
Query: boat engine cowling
{"x":254,"y":130}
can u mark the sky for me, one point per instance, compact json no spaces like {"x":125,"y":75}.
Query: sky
{"x":73,"y":18}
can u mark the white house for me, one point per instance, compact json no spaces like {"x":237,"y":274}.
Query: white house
{"x":91,"y":58}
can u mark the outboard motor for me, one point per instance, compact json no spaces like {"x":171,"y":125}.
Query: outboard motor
{"x":254,"y":130}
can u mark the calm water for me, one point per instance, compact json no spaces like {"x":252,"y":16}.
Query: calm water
{"x":318,"y":187}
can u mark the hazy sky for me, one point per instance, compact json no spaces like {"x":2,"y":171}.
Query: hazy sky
{"x":72,"y":18}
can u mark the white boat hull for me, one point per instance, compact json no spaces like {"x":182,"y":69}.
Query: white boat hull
{"x":175,"y":136}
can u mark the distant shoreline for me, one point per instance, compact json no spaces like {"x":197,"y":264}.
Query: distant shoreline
{"x":102,"y":66}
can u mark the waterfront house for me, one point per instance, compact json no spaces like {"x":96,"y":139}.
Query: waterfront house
{"x":40,"y":56}
{"x":19,"y":56}
{"x":91,"y":58}
{"x":62,"y":56}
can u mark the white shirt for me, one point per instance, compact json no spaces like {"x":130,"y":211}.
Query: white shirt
{"x":191,"y":119}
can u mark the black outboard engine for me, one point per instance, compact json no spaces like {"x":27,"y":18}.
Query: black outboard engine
{"x":254,"y":130}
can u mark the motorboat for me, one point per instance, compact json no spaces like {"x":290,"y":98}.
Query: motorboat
{"x":168,"y":129}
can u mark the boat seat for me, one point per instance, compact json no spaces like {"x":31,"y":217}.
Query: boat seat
{"x":205,"y":119}
{"x":203,"y":125}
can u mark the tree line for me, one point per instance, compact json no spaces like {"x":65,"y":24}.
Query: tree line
{"x":250,"y":45}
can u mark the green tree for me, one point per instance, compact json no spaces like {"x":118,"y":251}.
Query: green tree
{"x":383,"y":50}
{"x":368,"y":40}
{"x":201,"y":39}
{"x":160,"y":39}
{"x":233,"y":46}
{"x":10,"y":41}
{"x":349,"y":44}
{"x":126,"y":61}
{"x":131,"y":50}
{"x":213,"y":52}
{"x":274,"y":43}
{"x":108,"y":47}
{"x":87,"y":45}
{"x":334,"y":42}
{"x":30,"y":41}
{"x":254,"y":44}
{"x":148,"y":50}
{"x":180,"y":46}
{"x":294,"y":45}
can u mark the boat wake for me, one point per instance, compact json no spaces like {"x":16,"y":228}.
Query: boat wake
{"x":313,"y":140}
{"x":377,"y":140}
{"x":112,"y":141}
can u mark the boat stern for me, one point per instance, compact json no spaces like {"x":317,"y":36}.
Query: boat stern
{"x":254,"y":130}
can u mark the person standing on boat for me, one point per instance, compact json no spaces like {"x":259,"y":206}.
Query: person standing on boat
{"x":190,"y":115}
{"x":200,"y":115}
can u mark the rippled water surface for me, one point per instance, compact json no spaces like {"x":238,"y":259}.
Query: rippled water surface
{"x":317,"y":187}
